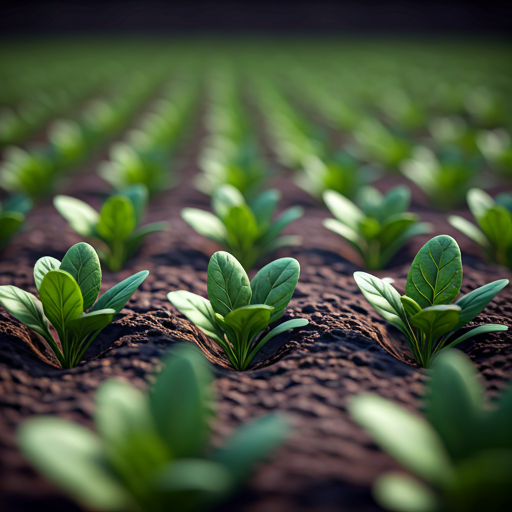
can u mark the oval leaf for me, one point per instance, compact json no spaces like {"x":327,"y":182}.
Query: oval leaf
{"x":117,"y":219}
{"x":42,"y":267}
{"x":435,"y":276}
{"x":81,"y":261}
{"x":435,"y":321}
{"x":80,"y":216}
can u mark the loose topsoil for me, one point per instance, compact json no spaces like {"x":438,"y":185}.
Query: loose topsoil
{"x":329,"y":463}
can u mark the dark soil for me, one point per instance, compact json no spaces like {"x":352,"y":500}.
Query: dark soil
{"x":347,"y":349}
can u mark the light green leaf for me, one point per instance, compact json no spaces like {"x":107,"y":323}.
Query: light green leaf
{"x":274,"y":285}
{"x":198,"y":310}
{"x":471,"y":231}
{"x":343,"y":209}
{"x":62,"y":301}
{"x":227,"y":283}
{"x":117,"y":219}
{"x":479,"y":202}
{"x":42,"y":267}
{"x":80,"y":216}
{"x":435,"y":276}
{"x":357,"y":241}
{"x":384,"y":298}
{"x":410,"y":305}
{"x":81,"y":261}
{"x":252,"y":443}
{"x":406,"y":437}
{"x":402,"y":493}
{"x":82,"y":472}
{"x":118,"y":295}
{"x":180,"y":402}
{"x":435,"y":321}
{"x":475,"y":301}
{"x":478,"y":330}
{"x":224,"y":198}
{"x":206,"y":224}
{"x":496,"y":223}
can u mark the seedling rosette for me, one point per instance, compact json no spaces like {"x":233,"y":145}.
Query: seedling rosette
{"x":379,"y":227}
{"x":238,"y":313}
{"x":66,"y":290}
{"x":115,"y":230}
{"x":425,"y":314}
{"x":151,"y":452}
{"x":244,"y":230}
{"x":460,"y":454}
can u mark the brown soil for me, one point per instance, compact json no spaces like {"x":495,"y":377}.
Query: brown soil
{"x":329,"y":463}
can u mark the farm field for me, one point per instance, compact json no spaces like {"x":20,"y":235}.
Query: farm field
{"x":174,"y":126}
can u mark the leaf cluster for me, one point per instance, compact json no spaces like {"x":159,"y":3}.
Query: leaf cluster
{"x":115,"y":230}
{"x":425,"y":314}
{"x":460,"y":453}
{"x":66,"y":290}
{"x":12,"y":216}
{"x":151,"y":452}
{"x":247,"y":231}
{"x":494,"y":218}
{"x":379,"y":227}
{"x":239,"y":311}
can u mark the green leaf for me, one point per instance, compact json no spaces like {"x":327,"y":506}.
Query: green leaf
{"x":224,"y":198}
{"x":117,"y":219}
{"x":478,"y":330}
{"x":402,"y":493}
{"x":19,"y":203}
{"x":242,"y":228}
{"x":136,"y":238}
{"x":406,"y":437}
{"x":264,"y":206}
{"x":81,"y":261}
{"x":410,"y":305}
{"x":435,"y":321}
{"x":9,"y":224}
{"x":475,"y":301}
{"x":138,"y":195}
{"x":227,"y":284}
{"x":395,"y":202}
{"x":274,"y":285}
{"x":471,"y":231}
{"x":62,"y":301}
{"x":80,"y":216}
{"x":357,"y":241}
{"x":394,"y":226}
{"x":454,"y":402}
{"x":206,"y":224}
{"x":82,"y":472}
{"x":280,"y":223}
{"x":343,"y":209}
{"x":180,"y":402}
{"x":435,"y":276}
{"x":496,"y":223}
{"x":252,"y":443}
{"x":479,"y":202}
{"x":198,"y":310}
{"x":369,"y":228}
{"x":118,"y":295}
{"x":42,"y":267}
{"x":384,"y":298}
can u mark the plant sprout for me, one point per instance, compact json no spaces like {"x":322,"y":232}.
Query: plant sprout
{"x":238,"y":313}
{"x":66,"y":290}
{"x":425,"y":314}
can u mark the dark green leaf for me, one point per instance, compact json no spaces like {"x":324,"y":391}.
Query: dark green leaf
{"x":18,"y":203}
{"x":138,"y":195}
{"x":264,"y":206}
{"x":227,"y":283}
{"x":435,"y":321}
{"x":478,"y":330}
{"x":395,"y":202}
{"x":242,"y":228}
{"x":117,"y":219}
{"x":81,"y":261}
{"x":281,"y":222}
{"x":9,"y":224}
{"x":394,"y":226}
{"x":80,"y":216}
{"x":496,"y":223}
{"x":118,"y":295}
{"x":274,"y":285}
{"x":435,"y":276}
{"x":84,"y":324}
{"x":42,"y":267}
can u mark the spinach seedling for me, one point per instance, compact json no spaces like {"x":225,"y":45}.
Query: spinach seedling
{"x":444,"y":179}
{"x":130,"y":166}
{"x":151,"y":452}
{"x":425,"y":314}
{"x":115,"y":229}
{"x":239,"y":311}
{"x":460,"y":453}
{"x":494,"y":217}
{"x":12,"y":216}
{"x":246,"y":231}
{"x":66,"y":289}
{"x":341,"y":173}
{"x":379,"y":227}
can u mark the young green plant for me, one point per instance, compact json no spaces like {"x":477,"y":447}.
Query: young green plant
{"x":244,"y":230}
{"x":379,"y":227}
{"x":12,"y":215}
{"x":151,"y":452}
{"x":425,"y":314}
{"x":494,"y":218}
{"x":66,"y":290}
{"x":115,"y":230}
{"x":238,"y":313}
{"x":460,"y":453}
